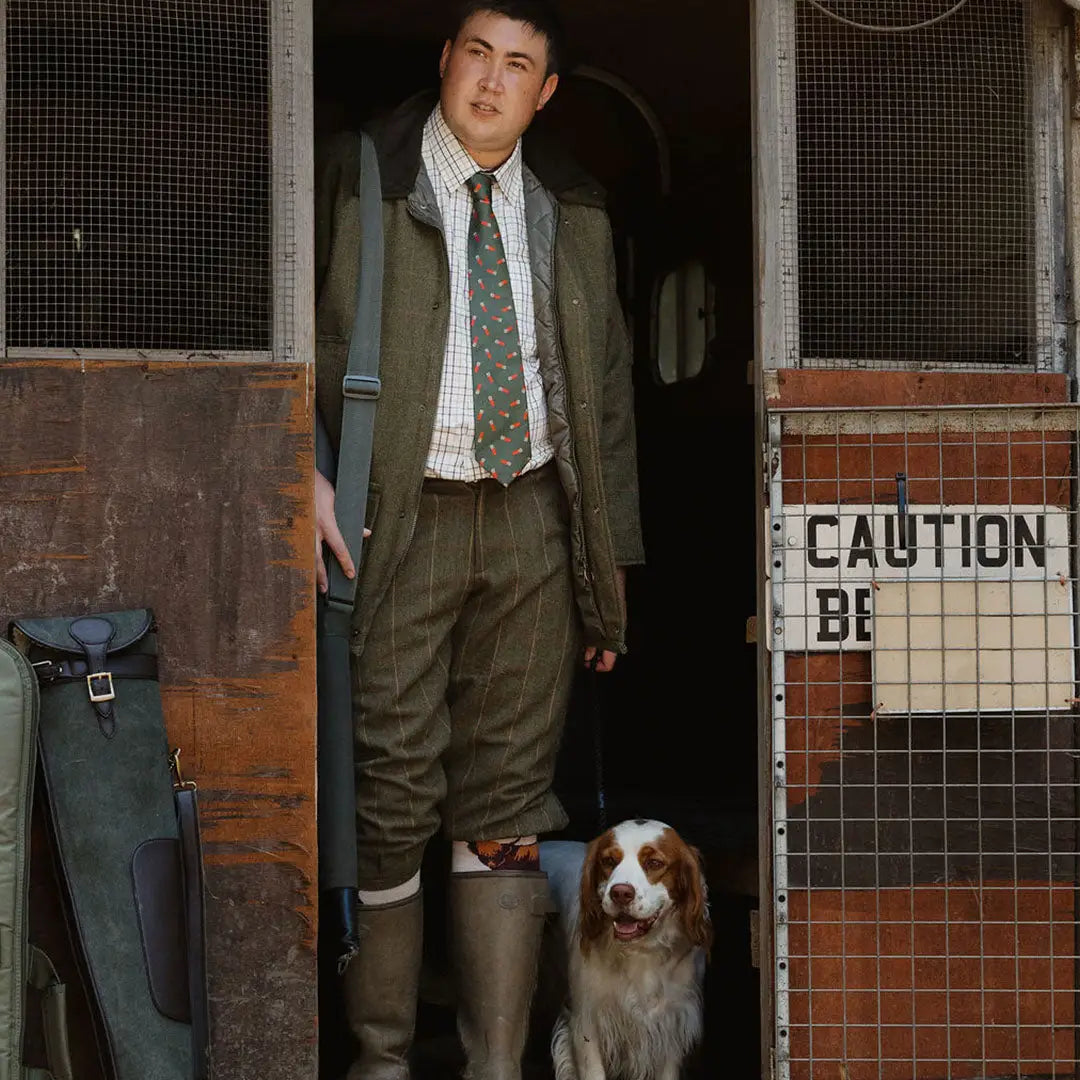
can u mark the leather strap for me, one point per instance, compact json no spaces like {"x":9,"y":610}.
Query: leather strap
{"x":187,"y":812}
{"x":94,"y":635}
{"x":43,"y":978}
{"x":136,"y":666}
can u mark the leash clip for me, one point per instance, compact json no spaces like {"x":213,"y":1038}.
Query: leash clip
{"x":180,"y":784}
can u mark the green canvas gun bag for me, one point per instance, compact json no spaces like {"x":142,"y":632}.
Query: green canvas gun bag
{"x":126,"y":833}
{"x":22,"y":966}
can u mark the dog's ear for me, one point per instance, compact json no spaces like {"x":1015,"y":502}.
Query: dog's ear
{"x":592,"y":922}
{"x":694,"y":899}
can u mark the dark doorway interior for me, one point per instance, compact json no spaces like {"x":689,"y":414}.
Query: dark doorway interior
{"x":677,"y":718}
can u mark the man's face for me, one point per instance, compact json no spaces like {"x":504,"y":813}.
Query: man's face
{"x":493,"y":84}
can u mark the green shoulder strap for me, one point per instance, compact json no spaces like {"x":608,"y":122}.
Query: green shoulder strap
{"x":336,"y":793}
{"x":360,"y":388}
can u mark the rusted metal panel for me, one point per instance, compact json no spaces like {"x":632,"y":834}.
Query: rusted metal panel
{"x":888,"y":998}
{"x":930,"y":860}
{"x":916,"y":389}
{"x":186,"y":487}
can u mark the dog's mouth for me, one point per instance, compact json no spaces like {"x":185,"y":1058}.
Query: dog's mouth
{"x":627,"y":928}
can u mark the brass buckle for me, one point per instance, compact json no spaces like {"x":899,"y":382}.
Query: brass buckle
{"x":109,"y":695}
{"x":180,"y":783}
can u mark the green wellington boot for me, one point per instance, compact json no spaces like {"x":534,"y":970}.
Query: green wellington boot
{"x":380,"y":986}
{"x":496,"y":925}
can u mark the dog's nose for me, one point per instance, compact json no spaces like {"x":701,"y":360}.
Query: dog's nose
{"x":622,"y":894}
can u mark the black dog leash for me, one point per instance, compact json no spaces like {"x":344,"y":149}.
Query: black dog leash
{"x":598,"y":741}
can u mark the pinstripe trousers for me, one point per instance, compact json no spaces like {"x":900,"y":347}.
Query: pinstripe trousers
{"x":461,"y":691}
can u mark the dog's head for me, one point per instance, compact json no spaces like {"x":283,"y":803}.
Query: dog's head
{"x":641,"y":882}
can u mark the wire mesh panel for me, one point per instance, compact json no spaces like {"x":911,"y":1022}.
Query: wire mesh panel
{"x":909,"y":182}
{"x":138,"y":178}
{"x":925,"y":742}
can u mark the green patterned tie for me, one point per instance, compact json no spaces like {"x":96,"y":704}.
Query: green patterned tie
{"x":502,"y":411}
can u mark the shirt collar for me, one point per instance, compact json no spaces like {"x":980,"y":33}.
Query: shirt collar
{"x":454,"y":164}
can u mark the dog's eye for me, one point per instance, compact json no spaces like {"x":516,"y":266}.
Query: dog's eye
{"x":607,"y":864}
{"x":653,"y":865}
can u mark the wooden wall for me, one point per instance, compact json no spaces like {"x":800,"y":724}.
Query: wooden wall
{"x":186,"y":487}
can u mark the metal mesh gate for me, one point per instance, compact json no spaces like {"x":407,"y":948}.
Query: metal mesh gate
{"x":137,"y":175}
{"x":925,"y":742}
{"x":909,"y":191}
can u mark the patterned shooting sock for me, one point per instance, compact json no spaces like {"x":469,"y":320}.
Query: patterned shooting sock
{"x":516,"y":853}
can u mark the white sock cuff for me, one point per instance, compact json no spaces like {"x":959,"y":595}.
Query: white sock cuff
{"x":391,"y":896}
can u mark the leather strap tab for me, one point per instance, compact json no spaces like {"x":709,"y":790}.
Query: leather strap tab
{"x":94,"y":634}
{"x":43,"y":978}
{"x":187,"y":811}
{"x":159,"y":897}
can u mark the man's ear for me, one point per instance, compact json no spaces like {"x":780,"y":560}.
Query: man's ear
{"x":547,"y":90}
{"x":445,"y":58}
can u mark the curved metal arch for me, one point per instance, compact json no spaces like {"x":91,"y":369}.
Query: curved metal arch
{"x":648,"y":114}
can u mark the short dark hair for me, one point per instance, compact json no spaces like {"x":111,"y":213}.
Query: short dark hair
{"x":539,"y":15}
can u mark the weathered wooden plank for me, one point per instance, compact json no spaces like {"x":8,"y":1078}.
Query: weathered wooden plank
{"x":186,"y":488}
{"x":917,"y":389}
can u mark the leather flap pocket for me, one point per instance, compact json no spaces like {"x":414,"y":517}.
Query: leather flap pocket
{"x":159,"y":893}
{"x":121,"y":629}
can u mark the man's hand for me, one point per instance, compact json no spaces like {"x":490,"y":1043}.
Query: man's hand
{"x":327,"y":531}
{"x":606,"y":659}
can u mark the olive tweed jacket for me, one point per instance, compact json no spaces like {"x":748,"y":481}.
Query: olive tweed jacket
{"x":583,"y":350}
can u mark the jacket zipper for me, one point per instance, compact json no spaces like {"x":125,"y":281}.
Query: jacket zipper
{"x":446,"y":256}
{"x":576,"y":514}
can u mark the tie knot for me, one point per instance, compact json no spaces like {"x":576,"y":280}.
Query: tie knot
{"x":480,"y":187}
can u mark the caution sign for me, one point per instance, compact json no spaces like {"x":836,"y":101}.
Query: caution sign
{"x":833,"y":557}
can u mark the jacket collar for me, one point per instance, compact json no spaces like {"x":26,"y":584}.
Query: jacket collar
{"x":398,"y":138}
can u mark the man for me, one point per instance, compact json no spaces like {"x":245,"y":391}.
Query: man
{"x":502,"y":508}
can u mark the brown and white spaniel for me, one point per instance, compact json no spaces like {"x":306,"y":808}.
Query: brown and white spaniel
{"x":634,"y":913}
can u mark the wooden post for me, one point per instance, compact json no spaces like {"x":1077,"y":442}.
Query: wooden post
{"x":183,"y":482}
{"x":186,"y":488}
